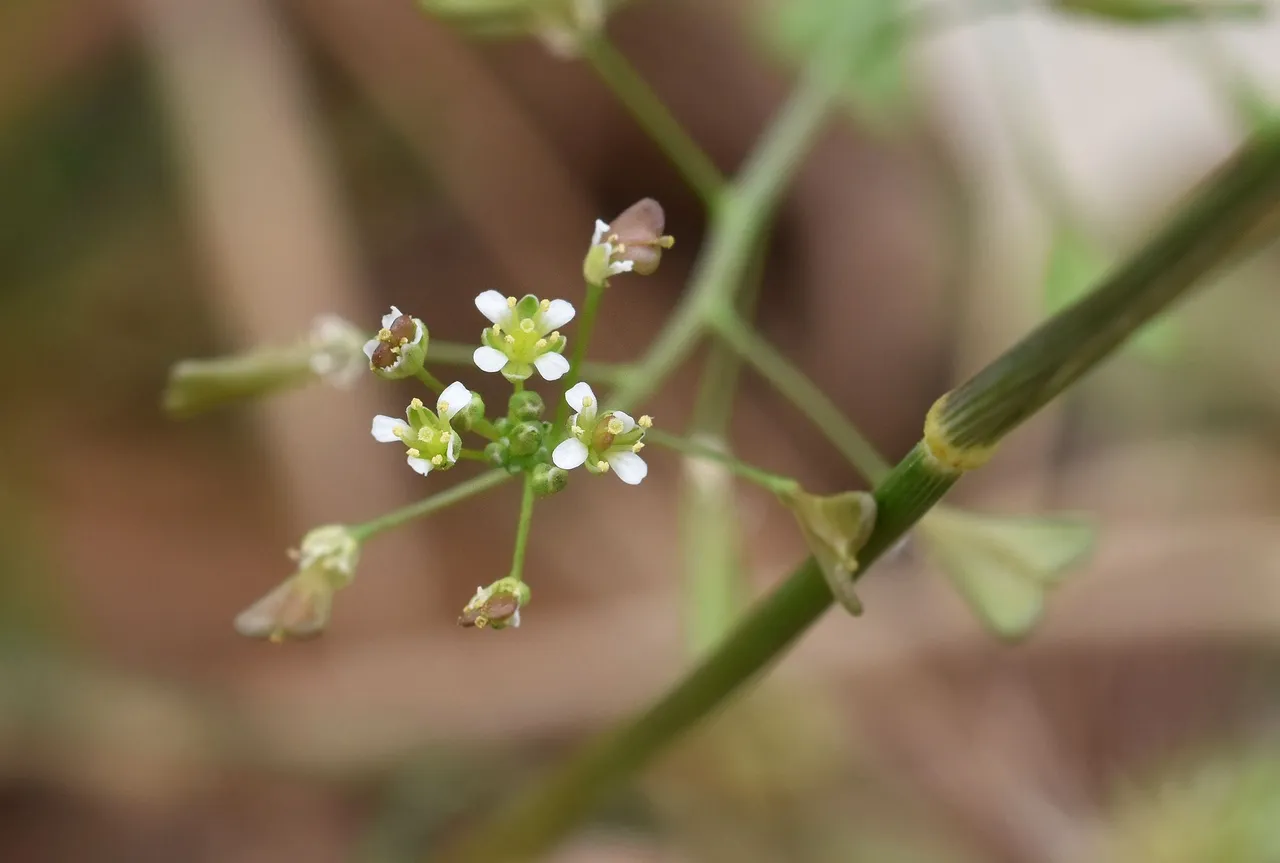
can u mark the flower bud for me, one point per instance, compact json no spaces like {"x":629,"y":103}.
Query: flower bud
{"x":526,"y":438}
{"x":496,"y":606}
{"x":525,"y":405}
{"x":496,"y":453}
{"x":466,"y":419}
{"x":548,"y":480}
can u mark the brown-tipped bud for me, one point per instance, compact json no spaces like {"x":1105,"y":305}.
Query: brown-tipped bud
{"x":640,"y":240}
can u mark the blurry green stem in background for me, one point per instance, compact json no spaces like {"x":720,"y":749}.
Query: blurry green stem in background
{"x":773,"y":482}
{"x":429,"y":505}
{"x":648,"y":110}
{"x":961,"y":431}
{"x":807,"y":396}
{"x":586,"y":325}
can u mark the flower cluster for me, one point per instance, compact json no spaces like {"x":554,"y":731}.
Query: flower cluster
{"x":523,"y":337}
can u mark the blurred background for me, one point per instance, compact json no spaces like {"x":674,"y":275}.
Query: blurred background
{"x":180,"y":178}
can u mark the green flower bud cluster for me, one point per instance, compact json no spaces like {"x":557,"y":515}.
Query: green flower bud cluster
{"x":523,"y":443}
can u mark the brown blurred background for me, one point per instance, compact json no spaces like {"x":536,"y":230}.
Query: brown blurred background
{"x":180,"y":178}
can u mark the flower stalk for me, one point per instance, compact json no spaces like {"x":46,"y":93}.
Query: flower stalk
{"x":1203,"y":235}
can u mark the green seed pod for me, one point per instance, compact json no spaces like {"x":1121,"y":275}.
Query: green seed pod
{"x":525,"y":406}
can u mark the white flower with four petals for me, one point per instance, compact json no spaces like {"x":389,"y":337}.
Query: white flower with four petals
{"x":432,"y":442}
{"x":612,"y":440}
{"x":524,"y":336}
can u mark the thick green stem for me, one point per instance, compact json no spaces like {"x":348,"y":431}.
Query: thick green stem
{"x":522,"y":530}
{"x":429,"y":505}
{"x":648,"y":110}
{"x":807,"y":397}
{"x":773,"y":482}
{"x":1226,"y":211}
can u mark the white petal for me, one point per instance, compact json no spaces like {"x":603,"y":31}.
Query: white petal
{"x":489,"y":359}
{"x":385,"y":428}
{"x":369,"y":347}
{"x":558,"y":313}
{"x":493,"y":306}
{"x":577,"y":394}
{"x":551,"y":366}
{"x":454,"y":398}
{"x":390,"y":318}
{"x":602,"y":228}
{"x":420,"y":465}
{"x":570,"y":453}
{"x":621,"y":267}
{"x":455,"y":448}
{"x":627,"y":422}
{"x":515,"y":619}
{"x":629,"y":467}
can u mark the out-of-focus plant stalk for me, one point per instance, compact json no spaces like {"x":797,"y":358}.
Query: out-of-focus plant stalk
{"x":961,"y":431}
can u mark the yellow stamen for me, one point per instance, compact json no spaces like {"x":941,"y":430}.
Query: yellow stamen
{"x":497,"y":328}
{"x":540,"y":344}
{"x":276,"y":636}
{"x":445,"y":437}
{"x":645,"y":422}
{"x":602,"y":465}
{"x":587,"y":401}
{"x":666,"y":241}
{"x":416,"y":403}
{"x":576,"y":429}
{"x":384,"y":335}
{"x":511,"y":340}
{"x":544,"y":305}
{"x":413,"y":453}
{"x":511,"y":302}
{"x":437,"y":460}
{"x":638,"y":446}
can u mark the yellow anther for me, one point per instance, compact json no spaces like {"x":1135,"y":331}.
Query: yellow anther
{"x":482,"y":622}
{"x":509,"y":339}
{"x":666,"y":241}
{"x":602,"y":465}
{"x":426,"y":435}
{"x":413,"y":453}
{"x":555,"y":334}
{"x":540,"y":344}
{"x":445,"y":437}
{"x":527,"y":325}
{"x":619,"y":249}
{"x":276,"y":636}
{"x":645,"y":422}
{"x":415,"y":403}
{"x":544,"y":305}
{"x":576,"y":429}
{"x":384,"y":335}
{"x":497,"y":328}
{"x":442,"y":407}
{"x":639,"y":445}
{"x":587,"y":401}
{"x":511,"y":302}
{"x":437,"y":460}
{"x":614,"y":425}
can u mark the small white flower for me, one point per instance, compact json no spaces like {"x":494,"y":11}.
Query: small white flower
{"x":632,"y":242}
{"x":432,"y":443}
{"x":524,"y":336}
{"x":335,"y":350}
{"x":609,"y":441}
{"x":399,"y":348}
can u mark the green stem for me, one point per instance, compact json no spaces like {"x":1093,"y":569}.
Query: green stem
{"x":586,"y":325}
{"x":648,"y":110}
{"x":430,"y":380}
{"x":807,"y":397}
{"x":485,"y":429}
{"x":773,"y":482}
{"x":735,"y":231}
{"x":473,"y":455}
{"x":522,"y":530}
{"x":1208,"y":231}
{"x":517,"y":386}
{"x":429,"y":505}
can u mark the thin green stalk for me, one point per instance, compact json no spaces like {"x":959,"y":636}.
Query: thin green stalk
{"x":1207,"y":232}
{"x":586,"y":325}
{"x":430,"y":380}
{"x":429,"y":505}
{"x":735,"y":231}
{"x":522,"y":530}
{"x":472,"y":455}
{"x":649,"y":111}
{"x":776,"y":483}
{"x":485,"y":429}
{"x":807,"y":397}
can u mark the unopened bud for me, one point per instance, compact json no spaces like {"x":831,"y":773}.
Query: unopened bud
{"x":525,"y":406}
{"x":466,"y":419}
{"x":526,"y":438}
{"x":496,"y":453}
{"x":549,"y":480}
